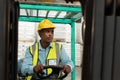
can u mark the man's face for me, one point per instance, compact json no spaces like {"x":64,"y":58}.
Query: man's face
{"x":47,"y":35}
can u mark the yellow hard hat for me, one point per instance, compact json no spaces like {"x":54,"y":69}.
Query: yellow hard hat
{"x":45,"y":24}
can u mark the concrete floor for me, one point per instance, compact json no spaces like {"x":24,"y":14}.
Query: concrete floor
{"x":78,"y":74}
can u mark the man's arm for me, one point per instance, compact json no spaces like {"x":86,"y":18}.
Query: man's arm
{"x":66,"y":61}
{"x":27,"y":67}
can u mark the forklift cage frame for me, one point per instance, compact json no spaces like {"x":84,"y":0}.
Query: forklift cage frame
{"x":73,"y":14}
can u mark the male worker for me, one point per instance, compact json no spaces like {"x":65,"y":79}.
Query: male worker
{"x":45,"y":52}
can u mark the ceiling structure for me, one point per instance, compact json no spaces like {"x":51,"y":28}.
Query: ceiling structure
{"x":57,"y":12}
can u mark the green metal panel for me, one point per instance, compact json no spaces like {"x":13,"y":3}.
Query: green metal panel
{"x":47,"y":14}
{"x":27,"y":12}
{"x":68,"y":14}
{"x":36,"y":19}
{"x":77,"y":16}
{"x":73,"y":48}
{"x":57,"y":14}
{"x":50,"y":7}
{"x":37,"y":12}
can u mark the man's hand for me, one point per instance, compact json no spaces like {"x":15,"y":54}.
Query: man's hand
{"x":66,"y":69}
{"x":38,"y":68}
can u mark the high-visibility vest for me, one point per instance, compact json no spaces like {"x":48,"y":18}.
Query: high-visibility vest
{"x":53,"y":54}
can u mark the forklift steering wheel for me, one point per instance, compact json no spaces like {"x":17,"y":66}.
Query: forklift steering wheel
{"x":55,"y":70}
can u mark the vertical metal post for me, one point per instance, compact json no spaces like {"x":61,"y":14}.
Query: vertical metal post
{"x":3,"y":41}
{"x":88,"y":10}
{"x":101,"y":56}
{"x":73,"y":48}
{"x":8,"y":43}
{"x":13,"y":40}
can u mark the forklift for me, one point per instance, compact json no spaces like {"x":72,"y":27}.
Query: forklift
{"x":101,"y":53}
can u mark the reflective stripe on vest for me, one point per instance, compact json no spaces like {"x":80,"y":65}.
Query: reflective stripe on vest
{"x":56,"y":48}
{"x":34,"y":52}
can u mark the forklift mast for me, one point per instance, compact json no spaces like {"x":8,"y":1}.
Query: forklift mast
{"x":9,"y":13}
{"x":101,"y":55}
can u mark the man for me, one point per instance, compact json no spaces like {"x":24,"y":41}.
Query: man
{"x":45,"y":53}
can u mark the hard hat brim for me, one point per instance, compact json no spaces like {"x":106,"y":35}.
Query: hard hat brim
{"x":46,"y":28}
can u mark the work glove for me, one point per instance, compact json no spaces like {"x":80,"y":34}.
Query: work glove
{"x":38,"y":68}
{"x":66,"y":69}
